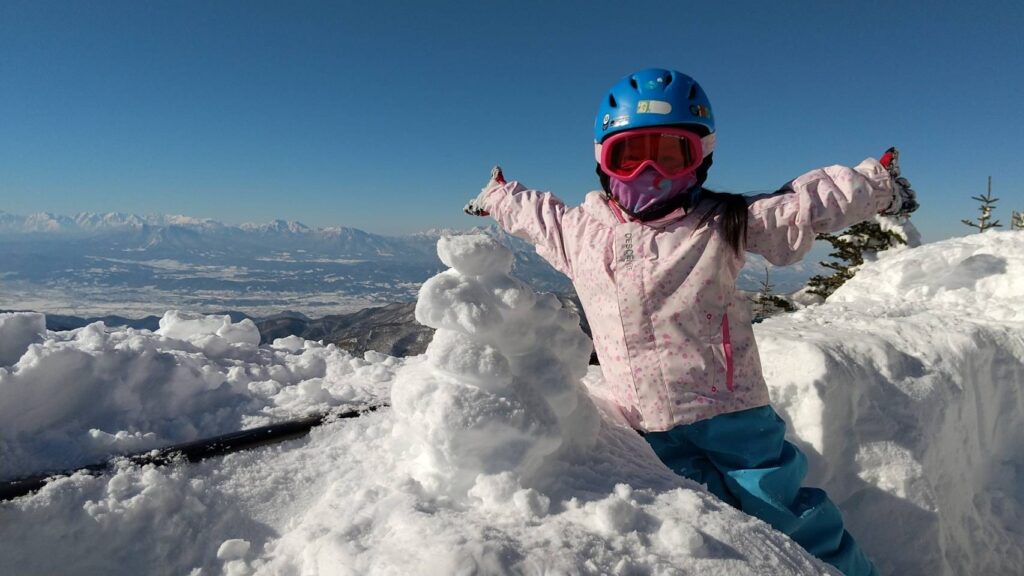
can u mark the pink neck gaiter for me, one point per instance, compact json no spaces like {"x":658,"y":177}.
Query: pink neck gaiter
{"x":650,"y":190}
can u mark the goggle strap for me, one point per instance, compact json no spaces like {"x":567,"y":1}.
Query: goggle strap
{"x":707,"y":145}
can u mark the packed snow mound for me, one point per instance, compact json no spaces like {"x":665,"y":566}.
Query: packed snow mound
{"x":500,"y":389}
{"x":978,"y":275}
{"x":74,"y":398}
{"x":906,"y":390}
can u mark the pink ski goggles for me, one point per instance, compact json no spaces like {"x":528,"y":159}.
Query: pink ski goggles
{"x":673,"y":152}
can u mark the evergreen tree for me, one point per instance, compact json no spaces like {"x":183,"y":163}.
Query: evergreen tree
{"x":767,"y":303}
{"x":1017,"y":221}
{"x":985,"y":221}
{"x":849,"y":248}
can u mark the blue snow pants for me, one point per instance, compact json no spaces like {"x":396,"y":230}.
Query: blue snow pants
{"x":744,"y":459}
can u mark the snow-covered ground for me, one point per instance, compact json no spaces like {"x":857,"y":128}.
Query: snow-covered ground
{"x":904,"y":390}
{"x":907,"y":392}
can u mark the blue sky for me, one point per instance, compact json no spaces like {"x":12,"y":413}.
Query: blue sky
{"x":388,"y":115}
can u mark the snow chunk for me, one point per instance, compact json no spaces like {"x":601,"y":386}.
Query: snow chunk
{"x":617,"y":514}
{"x":902,"y":226}
{"x":500,"y":492}
{"x":474,"y":255}
{"x":234,"y":549}
{"x":290,"y":343}
{"x":122,"y":442}
{"x":17,"y":331}
{"x":210,"y":333}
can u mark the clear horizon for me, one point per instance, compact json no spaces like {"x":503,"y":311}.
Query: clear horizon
{"x":388,"y":117}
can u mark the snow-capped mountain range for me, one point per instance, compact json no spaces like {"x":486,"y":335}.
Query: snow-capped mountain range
{"x":91,"y":222}
{"x":101,"y":263}
{"x":157,"y":231}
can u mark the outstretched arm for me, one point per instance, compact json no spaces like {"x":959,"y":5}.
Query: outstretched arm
{"x":782,"y":226}
{"x":529,"y":214}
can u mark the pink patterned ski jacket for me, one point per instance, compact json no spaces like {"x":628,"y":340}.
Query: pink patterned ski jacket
{"x":674,"y":339}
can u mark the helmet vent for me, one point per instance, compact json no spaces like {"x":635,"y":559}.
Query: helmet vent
{"x":611,"y":101}
{"x":693,"y":91}
{"x":632,"y":82}
{"x":668,"y":80}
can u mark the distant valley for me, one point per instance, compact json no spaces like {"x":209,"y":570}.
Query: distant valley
{"x":91,"y":265}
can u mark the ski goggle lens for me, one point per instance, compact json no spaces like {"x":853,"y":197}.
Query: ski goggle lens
{"x":671,"y":152}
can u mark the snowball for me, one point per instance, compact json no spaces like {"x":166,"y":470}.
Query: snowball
{"x":474,"y":255}
{"x":494,"y":490}
{"x":234,"y":549}
{"x":615,"y":515}
{"x":531,"y":503}
{"x":680,"y":536}
{"x":291,"y":343}
{"x":463,"y":357}
{"x":452,"y":301}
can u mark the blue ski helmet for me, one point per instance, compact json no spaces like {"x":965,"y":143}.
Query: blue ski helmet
{"x":653,"y":97}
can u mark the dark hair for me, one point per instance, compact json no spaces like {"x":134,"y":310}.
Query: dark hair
{"x":732,"y":208}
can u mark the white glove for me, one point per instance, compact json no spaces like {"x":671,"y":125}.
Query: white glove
{"x":476,"y":206}
{"x":904,"y":198}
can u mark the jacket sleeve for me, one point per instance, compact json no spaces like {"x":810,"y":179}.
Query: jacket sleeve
{"x":533,"y":216}
{"x":782,"y":226}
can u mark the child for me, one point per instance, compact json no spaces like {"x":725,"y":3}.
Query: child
{"x":654,"y":258}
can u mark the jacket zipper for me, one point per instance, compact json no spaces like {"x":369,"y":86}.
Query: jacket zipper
{"x":616,"y":211}
{"x":727,"y":347}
